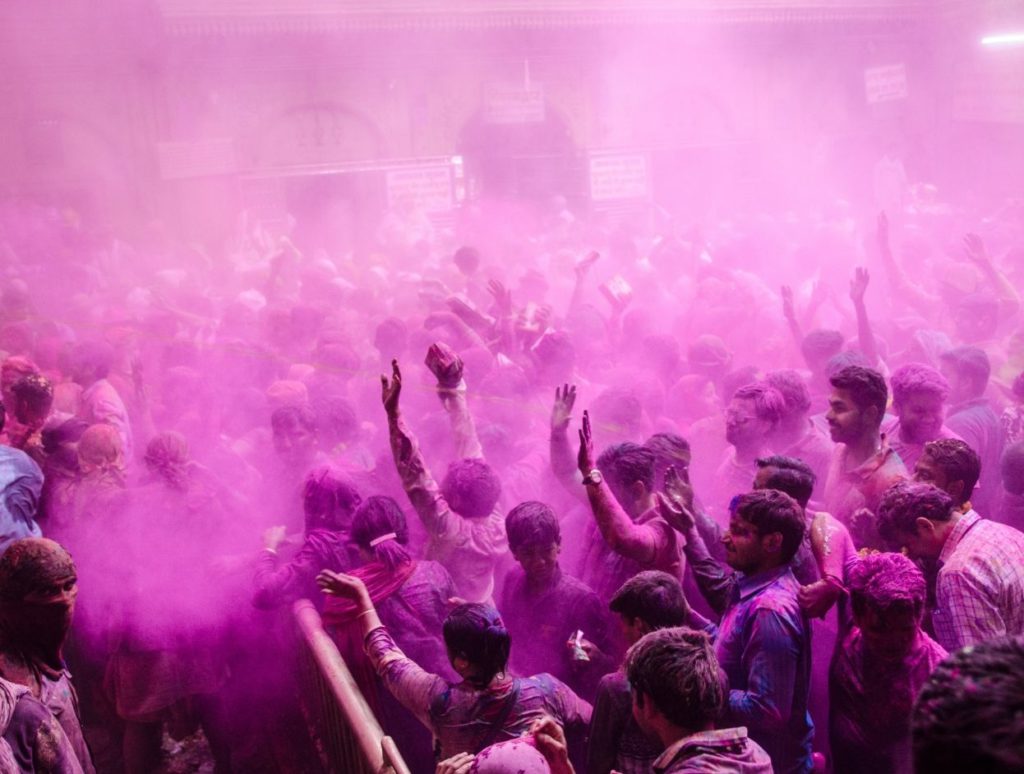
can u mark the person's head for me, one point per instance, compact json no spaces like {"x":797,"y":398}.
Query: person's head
{"x":478,"y":643}
{"x":676,"y":683}
{"x":38,"y":587}
{"x":786,"y":474}
{"x":967,"y":369}
{"x":12,"y":369}
{"x":917,"y":518}
{"x":329,"y":499}
{"x":471,"y":488}
{"x":1011,"y":467}
{"x":467,"y":259}
{"x":951,"y":465}
{"x":708,"y":355}
{"x":167,"y":458}
{"x":380,"y":531}
{"x":295,"y":435}
{"x":976,"y":316}
{"x":887,"y":594}
{"x":753,"y":414}
{"x":795,"y":395}
{"x":535,"y":539}
{"x":618,"y":414}
{"x":857,"y":403}
{"x":629,"y":470}
{"x":90,"y":361}
{"x":554,"y":355}
{"x":32,"y":396}
{"x":391,"y":338}
{"x":670,"y":451}
{"x":100,"y":450}
{"x":649,"y":600}
{"x":818,"y":346}
{"x":765,"y":530}
{"x":968,"y":715}
{"x":919,"y":394}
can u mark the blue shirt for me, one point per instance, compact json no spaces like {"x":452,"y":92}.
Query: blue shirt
{"x":21,"y":484}
{"x":763,"y":645}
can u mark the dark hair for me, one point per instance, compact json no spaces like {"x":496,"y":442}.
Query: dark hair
{"x":845,"y":359}
{"x":967,"y":716}
{"x":971,"y":363}
{"x":770,"y":510}
{"x":793,"y":388}
{"x":915,"y":378}
{"x":789,"y":475}
{"x":377,"y":517}
{"x":958,"y":461}
{"x":477,"y":633}
{"x":667,"y":447}
{"x":291,"y":416}
{"x":532,"y":524}
{"x":328,"y":499}
{"x":623,"y":464}
{"x":887,"y":582}
{"x":655,"y":597}
{"x":471,"y":487}
{"x":820,"y":345}
{"x":866,"y":387}
{"x":905,"y":502}
{"x":677,"y":670}
{"x":1012,"y":468}
{"x":35,"y":390}
{"x":769,"y":404}
{"x":335,"y":417}
{"x":97,"y":356}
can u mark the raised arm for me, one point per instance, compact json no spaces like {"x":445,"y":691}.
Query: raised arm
{"x":420,"y":486}
{"x":714,"y":579}
{"x":901,"y":287}
{"x":448,"y":368}
{"x":865,"y":335}
{"x":1009,"y":298}
{"x":563,"y":465}
{"x":412,"y":685}
{"x":640,"y":542}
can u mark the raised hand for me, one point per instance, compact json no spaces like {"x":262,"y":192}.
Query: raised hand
{"x":859,"y":284}
{"x":274,"y":537}
{"x":445,"y":364}
{"x":583,"y":264}
{"x":390,"y":391}
{"x":460,"y":763}
{"x":678,"y":515}
{"x":585,"y":458}
{"x":550,"y":740}
{"x":678,"y":487}
{"x":338,"y":584}
{"x":502,"y":297}
{"x":565,"y":399}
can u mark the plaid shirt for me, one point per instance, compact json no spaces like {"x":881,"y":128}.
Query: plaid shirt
{"x":979,"y":593}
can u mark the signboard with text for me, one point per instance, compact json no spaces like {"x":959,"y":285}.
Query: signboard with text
{"x":619,"y":176}
{"x":513,"y":103}
{"x":886,"y":83}
{"x":424,"y":188}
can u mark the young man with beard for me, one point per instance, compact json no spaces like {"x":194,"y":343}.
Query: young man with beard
{"x":863,"y":464}
{"x":763,"y":642}
{"x":918,"y":397}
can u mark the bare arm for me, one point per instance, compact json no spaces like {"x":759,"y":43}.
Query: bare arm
{"x":865,"y":335}
{"x":451,"y":388}
{"x":563,"y":465}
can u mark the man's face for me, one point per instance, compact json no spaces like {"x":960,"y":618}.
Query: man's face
{"x":889,"y":634}
{"x":960,"y":388}
{"x":30,"y":416}
{"x":631,"y":629}
{"x":539,"y":562}
{"x":294,"y":443}
{"x":921,"y":415}
{"x":927,"y":472}
{"x":846,"y":422}
{"x":744,"y":546}
{"x":921,"y":544}
{"x":762,"y":476}
{"x":742,"y":425}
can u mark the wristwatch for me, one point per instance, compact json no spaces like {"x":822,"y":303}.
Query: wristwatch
{"x":593,"y":478}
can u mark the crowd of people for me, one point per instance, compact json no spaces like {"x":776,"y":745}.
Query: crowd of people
{"x":570,"y":494}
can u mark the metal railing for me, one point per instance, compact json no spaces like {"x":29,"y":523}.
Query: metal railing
{"x":350,"y":739}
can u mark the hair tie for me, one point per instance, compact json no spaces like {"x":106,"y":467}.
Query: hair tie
{"x":383,"y":539}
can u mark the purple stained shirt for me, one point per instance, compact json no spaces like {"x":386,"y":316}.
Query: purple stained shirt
{"x":462,"y":717}
{"x":721,"y":751}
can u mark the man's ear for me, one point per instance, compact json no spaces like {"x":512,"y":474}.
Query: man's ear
{"x":772,"y":542}
{"x":637,"y":490}
{"x":925,"y":528}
